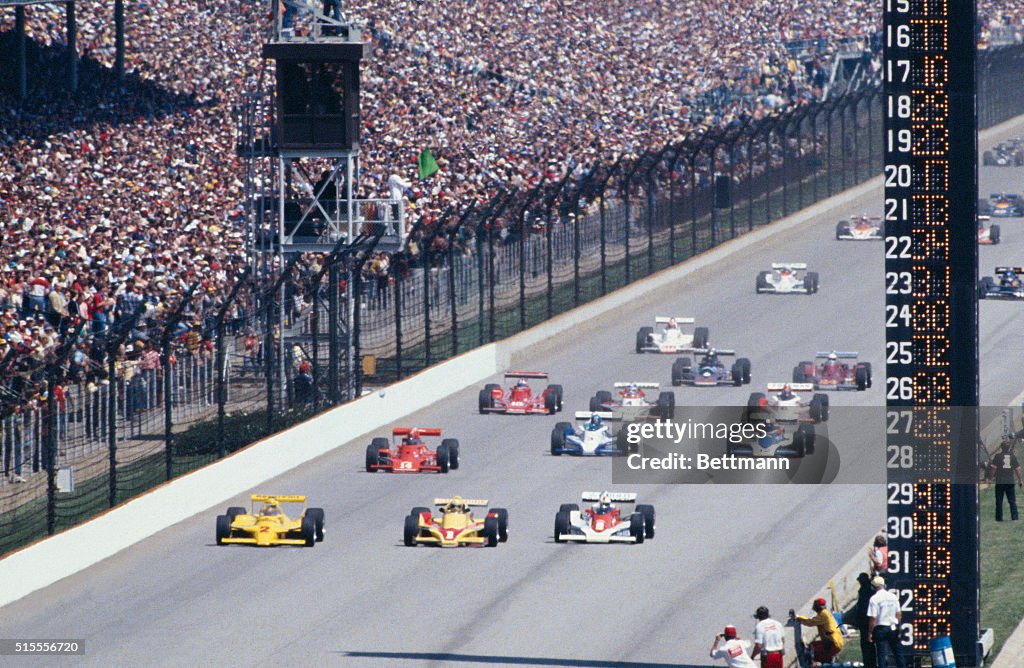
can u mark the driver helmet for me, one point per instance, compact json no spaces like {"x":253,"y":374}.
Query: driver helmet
{"x":522,"y":383}
{"x":672,"y":323}
{"x":832,"y":358}
{"x":604,"y":502}
{"x":270,"y":509}
{"x":784,"y":272}
{"x":633,"y":390}
{"x":786,"y":393}
{"x":595,"y":421}
{"x":1009,"y":276}
{"x":456,"y":505}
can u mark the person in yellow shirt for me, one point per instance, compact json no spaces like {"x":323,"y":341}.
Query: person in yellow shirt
{"x":830,"y":638}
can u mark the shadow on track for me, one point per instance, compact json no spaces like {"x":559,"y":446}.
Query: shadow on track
{"x":515,"y":660}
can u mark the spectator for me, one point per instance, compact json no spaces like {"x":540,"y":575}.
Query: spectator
{"x":878,"y":556}
{"x":830,"y":640}
{"x":859,"y":619}
{"x":731,"y":649}
{"x":1006,"y":469}
{"x":769,"y":640}
{"x":884,"y":623}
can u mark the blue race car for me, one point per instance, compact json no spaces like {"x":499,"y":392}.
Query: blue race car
{"x":776,"y":442}
{"x":711,"y":370}
{"x":1008,"y":283}
{"x":593,"y":437}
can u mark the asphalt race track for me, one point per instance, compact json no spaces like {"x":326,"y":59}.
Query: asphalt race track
{"x":362,"y":599}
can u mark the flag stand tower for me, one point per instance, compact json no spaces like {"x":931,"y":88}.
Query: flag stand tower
{"x":300,"y":143}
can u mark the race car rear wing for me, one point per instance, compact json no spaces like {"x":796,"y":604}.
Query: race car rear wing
{"x":468,"y":502}
{"x":718,"y":351}
{"x":796,"y":387}
{"x":526,"y":374}
{"x":405,"y":431}
{"x":663,"y":320}
{"x":982,"y":218}
{"x":789,"y":265}
{"x":844,"y":356}
{"x":648,"y":386}
{"x":264,"y":498}
{"x":1016,"y":270}
{"x":585,"y":415}
{"x":619,"y":497}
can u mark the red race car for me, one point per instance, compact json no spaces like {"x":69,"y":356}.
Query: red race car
{"x":410,"y":454}
{"x":520,"y":399}
{"x":827,"y":372}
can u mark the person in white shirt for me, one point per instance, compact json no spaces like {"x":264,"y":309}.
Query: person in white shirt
{"x":731,"y":649}
{"x":884,"y":623}
{"x":769,"y":641}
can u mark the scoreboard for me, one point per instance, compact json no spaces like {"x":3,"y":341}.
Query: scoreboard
{"x":931,"y":253}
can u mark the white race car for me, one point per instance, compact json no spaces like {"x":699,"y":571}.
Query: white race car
{"x":604,"y":522}
{"x":669,"y":338}
{"x":860,"y":228}
{"x":988,"y":233}
{"x":784,"y":404}
{"x":594,"y":437}
{"x":631,"y":402}
{"x":786,"y":278}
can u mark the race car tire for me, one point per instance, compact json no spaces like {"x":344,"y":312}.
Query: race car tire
{"x":811,"y":282}
{"x":680,"y":367}
{"x":318,"y":521}
{"x":568,"y":507}
{"x":598,"y":400}
{"x":754,"y":404}
{"x":223,"y":528}
{"x":803,"y":440}
{"x":372,"y":457}
{"x":761,"y":285}
{"x":453,"y":452}
{"x":558,"y":396}
{"x":308,"y":530}
{"x":993,"y":234}
{"x":562,"y":525}
{"x":730,"y":448}
{"x":642,"y":336}
{"x":819,"y":408}
{"x":988,"y":159}
{"x":486,"y":401}
{"x":558,"y":437}
{"x":647,"y":512}
{"x":860,"y":377}
{"x":444,"y":458}
{"x":595,"y":404}
{"x":624,"y":445}
{"x":502,"y":515}
{"x":1018,"y":159}
{"x":667,"y":404}
{"x":636,"y":527}
{"x":235,"y":511}
{"x":745,"y":366}
{"x":700,"y":337}
{"x":491,"y":531}
{"x":412,"y":530}
{"x":842,"y":229}
{"x":799,"y":375}
{"x":550,"y":400}
{"x":737,"y":374}
{"x":419,"y":510}
{"x":867,"y":365}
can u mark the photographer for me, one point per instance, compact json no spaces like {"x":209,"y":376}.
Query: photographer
{"x":830,"y":638}
{"x":731,"y":649}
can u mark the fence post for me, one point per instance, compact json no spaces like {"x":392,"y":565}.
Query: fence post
{"x":651,"y":203}
{"x":333,"y":363}
{"x":397,"y":288}
{"x":51,"y":448}
{"x":548,"y":225}
{"x":222,"y":395}
{"x":603,"y":230}
{"x":677,"y":153}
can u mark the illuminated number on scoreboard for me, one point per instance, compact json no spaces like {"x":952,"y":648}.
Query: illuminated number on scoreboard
{"x":930,"y":247}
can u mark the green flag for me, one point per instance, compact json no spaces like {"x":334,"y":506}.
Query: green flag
{"x":428,"y":166}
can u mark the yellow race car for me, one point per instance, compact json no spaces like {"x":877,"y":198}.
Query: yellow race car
{"x":267,"y":524}
{"x":454,"y":525}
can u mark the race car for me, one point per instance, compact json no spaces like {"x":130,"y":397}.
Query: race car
{"x":520,"y":399}
{"x":268,"y":525}
{"x":827,"y":372}
{"x":1008,"y":283}
{"x":784,"y":404}
{"x":454,"y":525}
{"x":593,"y":437}
{"x":632,"y":403}
{"x":786,"y":278}
{"x":987,"y":232}
{"x":670,"y":338}
{"x":1002,"y":205}
{"x":603,"y":522}
{"x":859,"y":228}
{"x":777,"y":441}
{"x":711,"y":370}
{"x":1005,"y":154}
{"x":410,"y":454}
